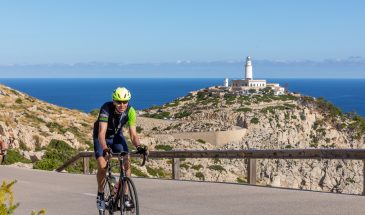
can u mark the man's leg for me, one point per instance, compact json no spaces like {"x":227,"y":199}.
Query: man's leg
{"x":101,"y":173}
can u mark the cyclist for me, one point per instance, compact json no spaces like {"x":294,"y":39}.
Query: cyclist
{"x":108,"y":133}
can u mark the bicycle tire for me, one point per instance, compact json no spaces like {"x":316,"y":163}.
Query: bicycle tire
{"x":108,"y":188}
{"x":132,"y":194}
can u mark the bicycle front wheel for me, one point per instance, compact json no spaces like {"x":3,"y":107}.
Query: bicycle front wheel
{"x":128,"y":198}
{"x":108,"y":189}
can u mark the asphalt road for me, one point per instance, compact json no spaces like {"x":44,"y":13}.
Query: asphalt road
{"x":61,"y":193}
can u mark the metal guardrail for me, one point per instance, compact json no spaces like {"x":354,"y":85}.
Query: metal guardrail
{"x":251,"y":155}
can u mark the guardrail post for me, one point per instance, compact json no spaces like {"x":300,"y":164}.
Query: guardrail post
{"x":86,"y":164}
{"x":363,"y":178}
{"x":251,"y":171}
{"x":176,"y":168}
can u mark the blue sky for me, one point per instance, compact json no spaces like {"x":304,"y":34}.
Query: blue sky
{"x":163,"y":32}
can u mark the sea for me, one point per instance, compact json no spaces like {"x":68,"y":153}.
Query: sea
{"x":87,"y":94}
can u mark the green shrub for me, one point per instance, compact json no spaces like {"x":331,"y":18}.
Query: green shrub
{"x":157,"y":172}
{"x":254,"y":120}
{"x":244,"y":110}
{"x":137,"y":172}
{"x":55,"y":127}
{"x":58,"y":152}
{"x":23,"y":146}
{"x":13,"y":156}
{"x":18,"y":101}
{"x":217,"y":168}
{"x":139,"y":129}
{"x":94,"y":112}
{"x":155,"y":107}
{"x":200,"y":175}
{"x":240,"y":180}
{"x":197,"y":167}
{"x":200,"y":141}
{"x":47,"y":164}
{"x":183,"y":114}
{"x":313,"y":144}
{"x":164,"y":147}
{"x":185,"y":166}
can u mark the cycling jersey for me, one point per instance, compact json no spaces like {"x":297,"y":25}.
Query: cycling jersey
{"x":115,"y":120}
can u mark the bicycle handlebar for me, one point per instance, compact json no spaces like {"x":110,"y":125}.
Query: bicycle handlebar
{"x":124,"y":153}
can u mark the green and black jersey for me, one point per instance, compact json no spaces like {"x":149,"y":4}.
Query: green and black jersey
{"x":115,"y":120}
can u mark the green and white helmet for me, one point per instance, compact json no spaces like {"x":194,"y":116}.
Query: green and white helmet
{"x":121,"y":94}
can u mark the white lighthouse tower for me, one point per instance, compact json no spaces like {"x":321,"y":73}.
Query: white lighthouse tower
{"x":248,"y":69}
{"x":226,"y":82}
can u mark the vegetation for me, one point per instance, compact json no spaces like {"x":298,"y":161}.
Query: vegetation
{"x":157,"y":172}
{"x":13,"y":156}
{"x":185,"y":166}
{"x":197,"y":167}
{"x":217,"y":168}
{"x":240,"y":180}
{"x":200,"y":175}
{"x":200,"y":141}
{"x":94,"y":112}
{"x":158,"y":115}
{"x":244,"y":109}
{"x":137,"y":172}
{"x":328,"y":108}
{"x":163,"y":147}
{"x":7,"y":205}
{"x":139,"y":129}
{"x":183,"y":114}
{"x":254,"y":120}
{"x":56,"y":154}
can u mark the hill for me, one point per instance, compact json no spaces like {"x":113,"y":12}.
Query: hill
{"x":265,"y":122}
{"x":44,"y":133}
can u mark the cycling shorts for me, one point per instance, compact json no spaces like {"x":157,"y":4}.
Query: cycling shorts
{"x":116,"y":144}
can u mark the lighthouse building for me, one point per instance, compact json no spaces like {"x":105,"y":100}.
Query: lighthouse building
{"x":244,"y":86}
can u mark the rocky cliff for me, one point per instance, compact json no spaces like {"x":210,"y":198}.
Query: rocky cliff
{"x":270,"y":122}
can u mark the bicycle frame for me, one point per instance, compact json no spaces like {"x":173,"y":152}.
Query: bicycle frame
{"x":115,"y":195}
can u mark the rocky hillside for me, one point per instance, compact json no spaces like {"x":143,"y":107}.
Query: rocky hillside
{"x":269,"y":122}
{"x":29,"y":124}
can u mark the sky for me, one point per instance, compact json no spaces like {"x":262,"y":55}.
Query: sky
{"x":58,"y":35}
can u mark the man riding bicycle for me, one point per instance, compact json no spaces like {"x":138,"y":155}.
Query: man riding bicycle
{"x":108,"y":133}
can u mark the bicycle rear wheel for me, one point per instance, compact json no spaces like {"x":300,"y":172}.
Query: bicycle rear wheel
{"x":129,"y":192}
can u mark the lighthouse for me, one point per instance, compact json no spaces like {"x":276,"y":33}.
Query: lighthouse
{"x":248,"y":69}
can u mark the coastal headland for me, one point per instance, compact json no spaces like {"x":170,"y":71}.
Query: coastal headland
{"x":35,"y":128}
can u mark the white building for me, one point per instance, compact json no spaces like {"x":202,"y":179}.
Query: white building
{"x":245,"y":85}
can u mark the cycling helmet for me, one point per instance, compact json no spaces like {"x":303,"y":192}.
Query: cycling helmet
{"x":121,"y":94}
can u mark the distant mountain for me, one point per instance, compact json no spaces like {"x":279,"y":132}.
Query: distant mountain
{"x":352,"y":67}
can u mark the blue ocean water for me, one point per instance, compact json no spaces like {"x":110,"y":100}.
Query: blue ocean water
{"x":88,"y":94}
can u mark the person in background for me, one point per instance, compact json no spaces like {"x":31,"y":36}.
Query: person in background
{"x":108,"y":134}
{"x":2,"y":150}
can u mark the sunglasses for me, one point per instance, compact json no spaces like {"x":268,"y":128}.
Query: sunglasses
{"x":120,"y":102}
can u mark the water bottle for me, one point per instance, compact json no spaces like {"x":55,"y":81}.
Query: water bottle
{"x":113,"y":184}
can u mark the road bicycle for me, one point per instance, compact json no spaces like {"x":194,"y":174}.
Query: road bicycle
{"x":117,"y":192}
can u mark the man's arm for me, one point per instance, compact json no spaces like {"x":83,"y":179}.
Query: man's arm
{"x":101,"y":134}
{"x":133,"y":135}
